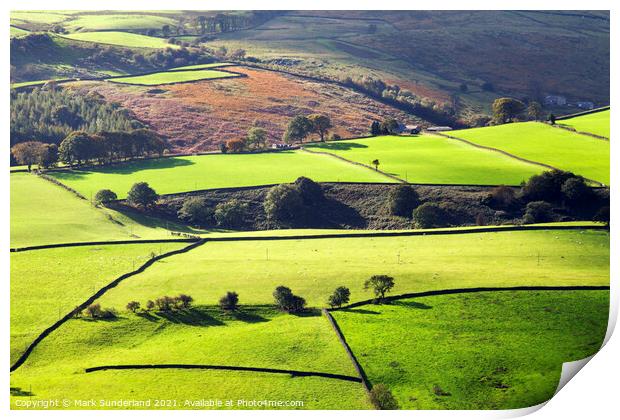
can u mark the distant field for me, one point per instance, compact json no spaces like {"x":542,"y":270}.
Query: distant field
{"x":597,"y":123}
{"x":202,"y":66}
{"x":539,"y":142}
{"x":314,"y":268}
{"x":118,"y":21}
{"x":124,"y":39}
{"x":46,"y":17}
{"x":33,"y":200}
{"x":251,"y":337}
{"x":47,"y":284}
{"x":430,"y":159}
{"x":179,"y":174}
{"x":42,"y":213}
{"x":446,"y":345}
{"x":167,"y":77}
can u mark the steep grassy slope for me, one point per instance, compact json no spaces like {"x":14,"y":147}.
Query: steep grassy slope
{"x":442,"y":352}
{"x":251,"y":337}
{"x":314,"y":268}
{"x":596,"y":123}
{"x":179,"y":174}
{"x":540,"y":142}
{"x":430,"y":159}
{"x":47,"y":284}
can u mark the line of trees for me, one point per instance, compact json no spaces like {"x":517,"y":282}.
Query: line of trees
{"x":300,"y":127}
{"x":105,"y":147}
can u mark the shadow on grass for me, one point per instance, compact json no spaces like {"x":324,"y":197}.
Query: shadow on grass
{"x":338,"y":145}
{"x":18,"y":392}
{"x":248,"y":315}
{"x":151,"y":221}
{"x":361,"y":311}
{"x":413,"y":305}
{"x":194,"y":317}
{"x":123,"y":168}
{"x":308,"y":313}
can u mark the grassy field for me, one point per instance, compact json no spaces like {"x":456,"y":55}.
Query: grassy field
{"x":259,"y":336}
{"x":539,"y":142}
{"x":107,"y":21}
{"x":429,"y":159}
{"x":597,"y":123}
{"x":33,"y":200}
{"x":168,"y":77}
{"x":39,"y":17}
{"x":178,"y":174}
{"x":314,"y":268}
{"x":43,"y":213}
{"x":446,"y":344}
{"x":202,"y":66}
{"x":47,"y":284}
{"x":123,"y":39}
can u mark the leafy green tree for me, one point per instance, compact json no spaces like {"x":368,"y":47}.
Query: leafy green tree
{"x":287,"y":301}
{"x":506,"y":109}
{"x":389,"y":126}
{"x":77,"y":147}
{"x":133,"y":306}
{"x":321,"y":124}
{"x":381,"y":397}
{"x":28,"y":153}
{"x":546,"y":186}
{"x":231,"y":213}
{"x":142,"y":195}
{"x":429,"y":215}
{"x":311,"y":192}
{"x":105,"y":196}
{"x":185,"y":301}
{"x":576,"y":191}
{"x":298,"y":129}
{"x":538,"y":212}
{"x":195,"y":210}
{"x":229,"y":301}
{"x":551,"y":119}
{"x":402,"y":200}
{"x":534,"y":111}
{"x":375,"y":128}
{"x":48,"y":155}
{"x":376,"y":163}
{"x":165,"y":31}
{"x":283,"y":204}
{"x":257,"y":137}
{"x":380,"y":285}
{"x":339,"y":297}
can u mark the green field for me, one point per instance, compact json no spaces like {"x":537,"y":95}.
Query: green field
{"x":252,"y":337}
{"x":202,"y":66}
{"x":167,"y":77}
{"x":43,"y":213}
{"x":596,"y":123}
{"x":123,"y":39}
{"x":313,"y":268}
{"x":47,"y":284}
{"x":540,"y":142}
{"x":33,"y":200}
{"x":430,"y":159}
{"x":107,"y":21}
{"x":515,"y":361}
{"x":188,"y":173}
{"x":32,"y":16}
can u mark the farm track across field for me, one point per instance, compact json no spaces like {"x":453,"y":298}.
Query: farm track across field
{"x":294,"y":373}
{"x":96,"y":296}
{"x":317,"y":236}
{"x":509,"y":155}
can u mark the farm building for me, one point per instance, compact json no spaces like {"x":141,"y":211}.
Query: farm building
{"x":555,"y":100}
{"x":439,"y":128}
{"x":412,"y":129}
